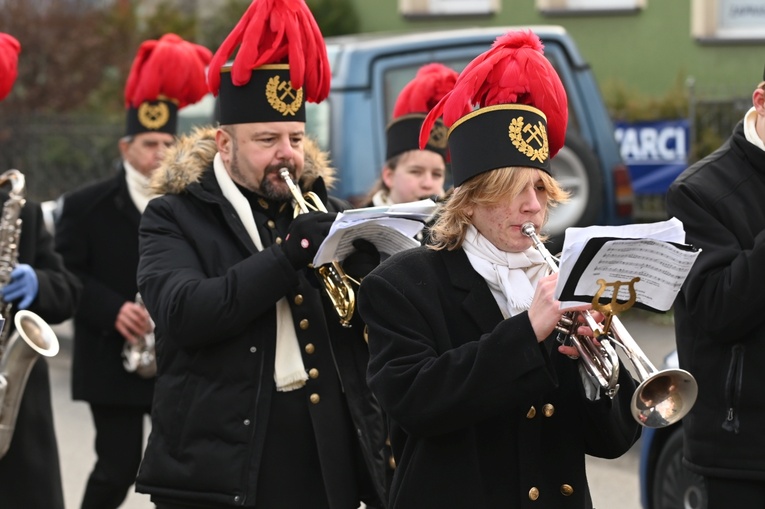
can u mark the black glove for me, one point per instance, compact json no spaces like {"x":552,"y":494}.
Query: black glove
{"x":306,"y":234}
{"x":362,"y":261}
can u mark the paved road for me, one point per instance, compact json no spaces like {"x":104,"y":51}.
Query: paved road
{"x":614,"y":483}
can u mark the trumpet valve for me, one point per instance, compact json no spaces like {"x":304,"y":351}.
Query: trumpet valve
{"x":565,"y":324}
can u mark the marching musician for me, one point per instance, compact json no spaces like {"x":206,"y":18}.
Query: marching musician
{"x":485,"y":408}
{"x":718,"y":313}
{"x":30,"y":473}
{"x":410,"y":173}
{"x":97,"y":234}
{"x":260,"y":399}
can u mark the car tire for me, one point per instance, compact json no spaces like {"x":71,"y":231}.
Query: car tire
{"x":577,"y":170}
{"x":674,"y":486}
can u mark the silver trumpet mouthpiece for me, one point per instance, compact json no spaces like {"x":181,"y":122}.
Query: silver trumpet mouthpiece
{"x":528,"y":229}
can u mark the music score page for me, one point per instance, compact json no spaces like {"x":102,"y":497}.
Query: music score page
{"x":654,"y":252}
{"x":390,"y":228}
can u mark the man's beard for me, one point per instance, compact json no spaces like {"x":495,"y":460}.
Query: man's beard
{"x":273,"y":191}
{"x":267,"y":189}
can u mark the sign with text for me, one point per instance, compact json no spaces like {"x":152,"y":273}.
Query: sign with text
{"x":655,"y":152}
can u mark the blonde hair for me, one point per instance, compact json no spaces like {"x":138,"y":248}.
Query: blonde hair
{"x":488,"y":188}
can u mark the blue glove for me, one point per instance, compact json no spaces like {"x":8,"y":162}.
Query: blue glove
{"x":23,"y":286}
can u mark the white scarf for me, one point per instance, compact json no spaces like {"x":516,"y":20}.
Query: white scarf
{"x":289,"y":371}
{"x":512,"y":277}
{"x":750,"y":130}
{"x":138,"y":187}
{"x":381,"y":197}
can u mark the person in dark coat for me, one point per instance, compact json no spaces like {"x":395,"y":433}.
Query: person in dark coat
{"x":30,"y":473}
{"x":260,"y":399}
{"x":718,"y":312}
{"x":410,"y":173}
{"x":97,"y":235}
{"x":485,"y":409}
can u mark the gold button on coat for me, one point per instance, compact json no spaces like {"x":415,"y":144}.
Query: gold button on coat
{"x":313,"y":373}
{"x":298,"y":299}
{"x":567,"y":490}
{"x":271,"y":223}
{"x":278,"y":240}
{"x":531,"y":413}
{"x":533,"y":493}
{"x":304,"y":324}
{"x":315,"y":398}
{"x":548,"y":410}
{"x":309,"y":348}
{"x":392,"y":462}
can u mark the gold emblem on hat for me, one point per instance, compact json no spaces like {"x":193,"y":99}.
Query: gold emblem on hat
{"x":530,"y":139}
{"x":153,"y":116}
{"x":279,"y":92}
{"x":438,"y":135}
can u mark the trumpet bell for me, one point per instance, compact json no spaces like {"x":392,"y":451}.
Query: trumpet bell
{"x":339,"y":291}
{"x":664,"y":398}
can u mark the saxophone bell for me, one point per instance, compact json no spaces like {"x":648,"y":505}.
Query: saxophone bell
{"x":336,"y":283}
{"x":33,"y":337}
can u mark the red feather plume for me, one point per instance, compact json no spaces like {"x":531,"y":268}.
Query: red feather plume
{"x":9,"y":60}
{"x":169,"y":68}
{"x":431,"y":83}
{"x":272,"y":32}
{"x":513,"y":71}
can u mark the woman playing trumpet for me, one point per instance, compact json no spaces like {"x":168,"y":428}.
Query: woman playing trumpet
{"x":486,"y":410}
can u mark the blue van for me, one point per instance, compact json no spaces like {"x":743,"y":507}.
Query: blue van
{"x":369,"y":71}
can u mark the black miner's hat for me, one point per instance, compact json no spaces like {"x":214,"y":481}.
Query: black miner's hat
{"x":416,"y":99}
{"x":281,"y":63}
{"x":522,"y":110}
{"x":166,"y":76}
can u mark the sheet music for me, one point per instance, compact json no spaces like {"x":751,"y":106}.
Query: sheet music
{"x":654,"y":252}
{"x":390,"y":228}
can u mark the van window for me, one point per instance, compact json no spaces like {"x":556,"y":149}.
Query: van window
{"x":397,"y":78}
{"x":317,"y":122}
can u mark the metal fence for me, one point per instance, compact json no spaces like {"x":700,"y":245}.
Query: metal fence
{"x":58,"y":153}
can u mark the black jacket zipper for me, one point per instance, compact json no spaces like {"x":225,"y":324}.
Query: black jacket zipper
{"x":733,"y":385}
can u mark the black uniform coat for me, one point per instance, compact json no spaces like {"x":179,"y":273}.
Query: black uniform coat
{"x":97,"y":234}
{"x":212,"y":296}
{"x":719,"y":319}
{"x":481,"y":415}
{"x":30,"y":475}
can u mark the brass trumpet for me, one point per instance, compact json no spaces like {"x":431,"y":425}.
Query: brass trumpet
{"x":661,"y":399}
{"x":336,"y":282}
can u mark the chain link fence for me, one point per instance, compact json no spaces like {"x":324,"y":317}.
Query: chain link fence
{"x":58,"y":153}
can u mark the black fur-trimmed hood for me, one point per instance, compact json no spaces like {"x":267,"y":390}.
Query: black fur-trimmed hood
{"x":193,"y":154}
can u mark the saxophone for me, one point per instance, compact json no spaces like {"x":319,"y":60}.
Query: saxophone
{"x":141,"y":358}
{"x":32,"y":336}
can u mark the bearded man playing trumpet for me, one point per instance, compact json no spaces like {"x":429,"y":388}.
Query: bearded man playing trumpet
{"x":485,"y":409}
{"x":260,"y":397}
